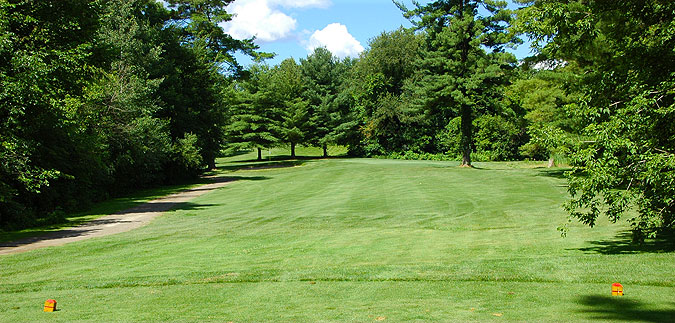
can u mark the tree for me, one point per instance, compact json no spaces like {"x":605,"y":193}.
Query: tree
{"x":294,"y":123}
{"x":458,"y":76}
{"x":626,"y":52}
{"x":319,"y":71}
{"x":323,"y":77}
{"x":550,"y":102}
{"x":197,"y":55}
{"x":377,"y":83}
{"x":45,"y":58}
{"x":120,"y":103}
{"x":343,"y":118}
{"x":199,"y":25}
{"x":253,"y":112}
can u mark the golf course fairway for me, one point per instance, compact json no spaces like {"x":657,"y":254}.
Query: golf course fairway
{"x":353,"y":240}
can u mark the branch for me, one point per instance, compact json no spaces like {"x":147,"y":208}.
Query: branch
{"x":630,"y":184}
{"x":663,"y":151}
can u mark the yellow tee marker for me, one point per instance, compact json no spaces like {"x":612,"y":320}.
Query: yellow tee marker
{"x":50,"y":305}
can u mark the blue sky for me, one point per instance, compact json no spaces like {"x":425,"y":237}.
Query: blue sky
{"x":292,"y":28}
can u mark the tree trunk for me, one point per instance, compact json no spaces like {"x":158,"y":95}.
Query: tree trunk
{"x":259,"y":153}
{"x":325,"y":151}
{"x":466,"y":136}
{"x":292,"y":150}
{"x":551,"y":162}
{"x":212,"y":163}
{"x":465,"y":111}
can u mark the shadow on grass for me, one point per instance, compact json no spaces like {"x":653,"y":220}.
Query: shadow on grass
{"x":119,"y":204}
{"x":236,"y":153}
{"x":623,"y":244}
{"x":192,"y":206}
{"x":265,"y":164}
{"x":559,"y":173}
{"x":47,"y":235}
{"x":227,"y":179}
{"x":153,"y":206}
{"x":621,"y":308}
{"x":85,"y":223}
{"x":119,"y":222}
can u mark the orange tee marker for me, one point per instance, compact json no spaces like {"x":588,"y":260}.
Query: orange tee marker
{"x":617,"y":289}
{"x":50,"y":305}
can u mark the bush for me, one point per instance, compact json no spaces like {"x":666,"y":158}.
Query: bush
{"x":496,"y":139}
{"x":410,"y":155}
{"x":186,"y":158}
{"x":449,"y":139}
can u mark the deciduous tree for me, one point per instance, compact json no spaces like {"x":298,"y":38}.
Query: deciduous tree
{"x":626,"y":51}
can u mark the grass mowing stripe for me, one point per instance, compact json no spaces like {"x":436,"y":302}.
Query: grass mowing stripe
{"x":357,"y":301}
{"x":347,"y":239}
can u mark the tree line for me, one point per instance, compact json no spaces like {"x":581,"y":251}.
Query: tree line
{"x":99,"y":97}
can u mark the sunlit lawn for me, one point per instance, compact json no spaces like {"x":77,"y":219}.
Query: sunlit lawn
{"x":352,"y":239}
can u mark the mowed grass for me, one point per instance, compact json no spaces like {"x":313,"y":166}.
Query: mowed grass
{"x":102,"y":209}
{"x":352,"y":240}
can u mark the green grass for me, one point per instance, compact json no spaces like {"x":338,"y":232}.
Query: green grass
{"x":352,"y":240}
{"x":101,"y":209}
{"x":272,"y":156}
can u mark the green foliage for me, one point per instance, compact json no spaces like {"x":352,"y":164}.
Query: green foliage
{"x":457,"y":76}
{"x":496,"y":138}
{"x":186,"y":156}
{"x":121,"y":104}
{"x":200,"y":30}
{"x":45,"y":57}
{"x":450,"y":138}
{"x":377,"y":82}
{"x":294,"y":123}
{"x":324,"y":79}
{"x":551,"y":102}
{"x":411,"y":155}
{"x":626,"y":53}
{"x":253,"y":111}
{"x":197,"y":56}
{"x":96,"y":98}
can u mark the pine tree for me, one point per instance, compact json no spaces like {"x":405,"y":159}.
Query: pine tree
{"x":294,"y":123}
{"x":457,"y":75}
{"x":197,"y":68}
{"x":253,"y":113}
{"x":323,"y":78}
{"x":320,"y":82}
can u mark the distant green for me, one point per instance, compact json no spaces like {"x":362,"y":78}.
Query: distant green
{"x":353,"y":240}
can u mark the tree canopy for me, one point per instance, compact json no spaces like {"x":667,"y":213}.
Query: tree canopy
{"x":459,"y":77}
{"x":625,"y":50}
{"x":98,"y":98}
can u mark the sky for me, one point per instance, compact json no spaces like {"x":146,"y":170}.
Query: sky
{"x":293,"y":28}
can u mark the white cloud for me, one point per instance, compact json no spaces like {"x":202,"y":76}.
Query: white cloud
{"x":257,"y":18}
{"x":302,"y":3}
{"x":337,"y":40}
{"x":264,"y":20}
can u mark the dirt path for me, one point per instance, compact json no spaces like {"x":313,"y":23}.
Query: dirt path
{"x":115,"y":223}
